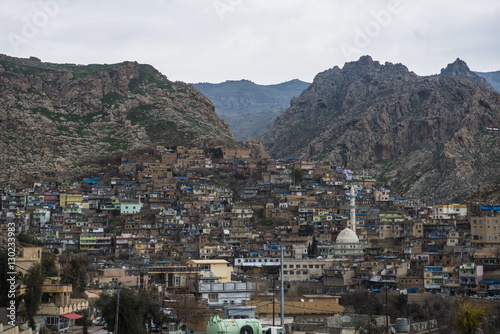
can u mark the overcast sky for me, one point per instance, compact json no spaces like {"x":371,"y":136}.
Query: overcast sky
{"x":266,"y":41}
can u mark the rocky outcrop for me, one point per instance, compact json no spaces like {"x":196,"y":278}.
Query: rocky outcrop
{"x":66,"y":120}
{"x":459,"y":68}
{"x":487,"y":194}
{"x":257,"y":150}
{"x":250,"y":108}
{"x":423,"y":136}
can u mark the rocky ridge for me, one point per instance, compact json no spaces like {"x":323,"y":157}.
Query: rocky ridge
{"x":459,"y":68}
{"x":423,"y":136}
{"x":65,"y":120}
{"x":493,"y":79}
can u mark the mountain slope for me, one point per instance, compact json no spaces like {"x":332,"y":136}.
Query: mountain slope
{"x":58,"y":119}
{"x":250,"y":108}
{"x":488,"y":194}
{"x":423,"y":136}
{"x":493,"y":79}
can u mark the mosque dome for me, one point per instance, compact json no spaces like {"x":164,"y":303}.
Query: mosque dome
{"x":347,"y":236}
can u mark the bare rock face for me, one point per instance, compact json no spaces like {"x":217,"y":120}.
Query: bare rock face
{"x":424,"y":136}
{"x":257,"y":150}
{"x":460,"y":69}
{"x":487,"y":194}
{"x":65,"y":120}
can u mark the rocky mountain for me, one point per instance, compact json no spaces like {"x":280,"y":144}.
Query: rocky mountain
{"x":61,"y":119}
{"x":250,"y":108}
{"x":459,"y":68}
{"x":487,"y":194}
{"x":432,"y":137}
{"x":493,"y":79}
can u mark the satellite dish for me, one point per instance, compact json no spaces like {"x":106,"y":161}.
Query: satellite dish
{"x":302,"y":300}
{"x":345,"y":318}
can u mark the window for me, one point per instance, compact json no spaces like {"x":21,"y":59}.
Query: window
{"x":213,"y":297}
{"x":177,"y":280}
{"x":205,"y":267}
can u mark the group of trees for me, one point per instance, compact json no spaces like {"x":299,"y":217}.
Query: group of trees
{"x":75,"y":273}
{"x":32,"y":297}
{"x":138,"y":311}
{"x":469,"y":316}
{"x":452,"y":315}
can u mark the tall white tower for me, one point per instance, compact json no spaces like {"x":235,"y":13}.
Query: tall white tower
{"x":352,"y":196}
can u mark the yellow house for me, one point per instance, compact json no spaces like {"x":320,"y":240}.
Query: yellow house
{"x":65,"y":199}
{"x":29,"y":257}
{"x":141,"y":247}
{"x":219,"y":268}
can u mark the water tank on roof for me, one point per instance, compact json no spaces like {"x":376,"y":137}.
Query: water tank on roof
{"x":402,"y":325}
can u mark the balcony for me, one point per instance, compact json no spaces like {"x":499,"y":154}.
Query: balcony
{"x":174,"y":270}
{"x":220,"y":287}
{"x":467,"y":281}
{"x":75,"y":305}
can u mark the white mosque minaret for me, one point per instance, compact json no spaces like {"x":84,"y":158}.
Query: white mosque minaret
{"x":352,"y":196}
{"x":347,"y":244}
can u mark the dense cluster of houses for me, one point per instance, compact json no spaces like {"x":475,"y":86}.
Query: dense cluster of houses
{"x":208,"y":222}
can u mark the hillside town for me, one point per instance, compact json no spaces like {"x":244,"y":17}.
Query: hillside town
{"x":218,"y":225}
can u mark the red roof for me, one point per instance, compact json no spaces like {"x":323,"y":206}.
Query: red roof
{"x":72,"y":316}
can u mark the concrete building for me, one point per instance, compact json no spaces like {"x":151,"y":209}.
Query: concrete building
{"x":213,"y":268}
{"x":485,"y":231}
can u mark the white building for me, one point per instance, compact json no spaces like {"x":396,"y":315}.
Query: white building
{"x":449,"y":211}
{"x":221,"y":294}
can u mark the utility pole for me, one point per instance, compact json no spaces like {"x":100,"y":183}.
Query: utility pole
{"x":274,"y":298}
{"x":117,"y":311}
{"x":386,"y":313}
{"x":282,"y":301}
